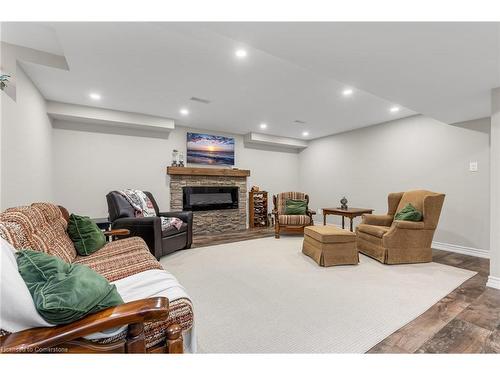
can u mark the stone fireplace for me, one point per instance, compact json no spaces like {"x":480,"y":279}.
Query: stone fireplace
{"x":206,"y":220}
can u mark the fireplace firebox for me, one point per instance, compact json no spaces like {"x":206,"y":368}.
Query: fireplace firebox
{"x":206,"y":198}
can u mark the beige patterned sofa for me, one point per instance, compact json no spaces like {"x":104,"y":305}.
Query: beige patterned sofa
{"x":42,"y":227}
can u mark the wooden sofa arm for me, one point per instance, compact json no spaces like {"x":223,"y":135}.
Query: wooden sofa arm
{"x":34,"y":339}
{"x":117,"y":232}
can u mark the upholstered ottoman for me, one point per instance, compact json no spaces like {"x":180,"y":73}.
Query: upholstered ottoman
{"x":330,"y":246}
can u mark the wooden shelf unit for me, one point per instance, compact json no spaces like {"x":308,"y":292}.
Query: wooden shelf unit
{"x":257,"y":209}
{"x":196,"y":171}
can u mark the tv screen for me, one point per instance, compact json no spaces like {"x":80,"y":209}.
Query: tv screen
{"x":210,"y":149}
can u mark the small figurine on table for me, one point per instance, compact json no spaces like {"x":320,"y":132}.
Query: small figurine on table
{"x":343,"y":203}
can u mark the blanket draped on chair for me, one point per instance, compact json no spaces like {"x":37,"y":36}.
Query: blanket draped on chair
{"x":144,"y":208}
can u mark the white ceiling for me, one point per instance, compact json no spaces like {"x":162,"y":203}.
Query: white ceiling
{"x":294,"y":71}
{"x":32,"y":35}
{"x":444,"y":69}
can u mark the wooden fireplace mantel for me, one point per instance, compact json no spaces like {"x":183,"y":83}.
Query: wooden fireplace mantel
{"x":189,"y":171}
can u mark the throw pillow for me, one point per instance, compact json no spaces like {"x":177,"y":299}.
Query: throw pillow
{"x":17,"y":310}
{"x":85,"y":234}
{"x":409,"y":213}
{"x":295,"y":207}
{"x":63,"y":292}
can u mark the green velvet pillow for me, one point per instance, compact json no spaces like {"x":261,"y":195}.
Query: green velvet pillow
{"x":409,"y":213}
{"x":295,"y":207}
{"x":64,"y":292}
{"x":85,"y":234}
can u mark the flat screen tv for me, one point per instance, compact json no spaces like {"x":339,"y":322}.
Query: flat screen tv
{"x":210,"y":149}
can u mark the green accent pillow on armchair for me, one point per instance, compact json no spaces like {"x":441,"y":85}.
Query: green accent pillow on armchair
{"x":64,"y":292}
{"x":295,"y":207}
{"x":409,"y":213}
{"x":85,"y":234}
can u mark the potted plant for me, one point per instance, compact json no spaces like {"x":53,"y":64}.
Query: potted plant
{"x":4,"y":78}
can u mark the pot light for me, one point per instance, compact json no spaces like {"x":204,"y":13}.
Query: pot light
{"x":305,"y":134}
{"x":394,"y":109}
{"x":95,"y":96}
{"x":263,"y":126}
{"x":184,"y":111}
{"x":241,"y":53}
{"x":347,"y":92}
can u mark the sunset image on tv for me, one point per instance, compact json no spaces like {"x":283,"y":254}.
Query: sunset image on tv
{"x":210,"y":149}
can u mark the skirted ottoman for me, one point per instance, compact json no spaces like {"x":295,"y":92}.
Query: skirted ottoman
{"x":330,"y":246}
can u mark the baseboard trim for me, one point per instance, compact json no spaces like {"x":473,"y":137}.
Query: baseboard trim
{"x":493,"y":282}
{"x":481,"y":253}
{"x":472,"y":251}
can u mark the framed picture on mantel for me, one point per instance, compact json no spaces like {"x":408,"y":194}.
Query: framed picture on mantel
{"x":210,"y":149}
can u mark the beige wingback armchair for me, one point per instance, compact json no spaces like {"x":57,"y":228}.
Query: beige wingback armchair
{"x":392,"y":241}
{"x":290,"y":223}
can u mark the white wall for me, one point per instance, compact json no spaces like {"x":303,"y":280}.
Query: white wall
{"x":480,"y":124}
{"x":89,"y":165}
{"x":26,"y":146}
{"x":77,"y":169}
{"x":494,"y":277}
{"x":411,"y":153}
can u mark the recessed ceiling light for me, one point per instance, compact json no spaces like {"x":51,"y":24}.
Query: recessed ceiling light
{"x":305,"y":134}
{"x":347,"y":92}
{"x":394,"y":109}
{"x":95,"y":96}
{"x":263,"y":126}
{"x":241,"y":53}
{"x":184,"y":111}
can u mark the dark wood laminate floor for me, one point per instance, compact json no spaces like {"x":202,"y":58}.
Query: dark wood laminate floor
{"x":217,"y":239}
{"x":465,"y":321}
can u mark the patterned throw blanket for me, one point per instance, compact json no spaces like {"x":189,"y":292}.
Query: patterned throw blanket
{"x":144,"y":208}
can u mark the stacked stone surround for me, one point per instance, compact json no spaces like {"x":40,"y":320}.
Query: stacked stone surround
{"x":215,"y":221}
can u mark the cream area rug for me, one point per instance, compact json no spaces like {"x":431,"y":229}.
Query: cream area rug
{"x":265,"y":296}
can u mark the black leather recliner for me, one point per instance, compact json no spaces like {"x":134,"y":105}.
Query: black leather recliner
{"x":160,"y":243}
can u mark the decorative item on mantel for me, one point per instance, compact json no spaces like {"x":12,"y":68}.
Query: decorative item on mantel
{"x":175,"y":156}
{"x":4,"y":79}
{"x":343,"y":203}
{"x":255,"y":188}
{"x":181,"y":159}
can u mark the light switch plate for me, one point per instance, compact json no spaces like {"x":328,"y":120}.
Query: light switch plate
{"x":473,"y":166}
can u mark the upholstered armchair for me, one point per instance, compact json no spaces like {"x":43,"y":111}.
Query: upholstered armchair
{"x":160,"y":242}
{"x":290,"y":223}
{"x":392,"y":241}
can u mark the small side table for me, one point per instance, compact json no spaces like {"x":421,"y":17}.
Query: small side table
{"x":102,"y":222}
{"x":105,"y":225}
{"x":113,"y":234}
{"x":351,"y":213}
